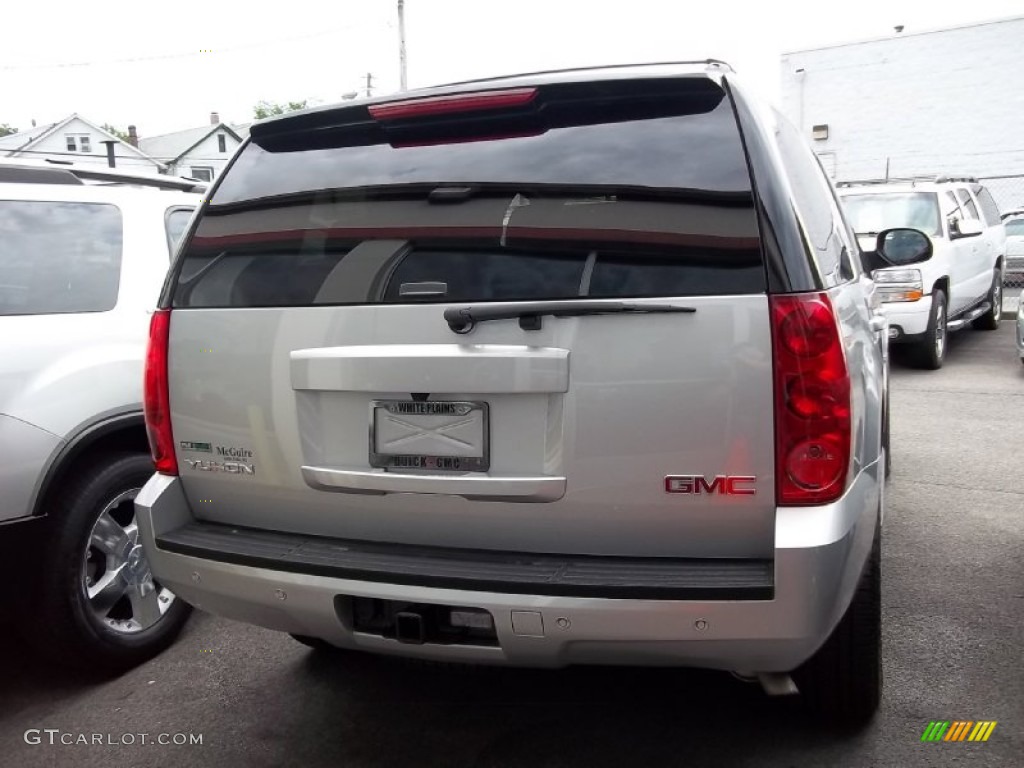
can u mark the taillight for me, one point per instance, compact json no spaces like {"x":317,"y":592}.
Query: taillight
{"x":156,"y":395}
{"x":812,"y":400}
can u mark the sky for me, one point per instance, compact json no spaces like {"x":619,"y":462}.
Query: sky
{"x":165,"y":67}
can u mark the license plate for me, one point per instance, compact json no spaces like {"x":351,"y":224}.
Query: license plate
{"x":438,"y":435}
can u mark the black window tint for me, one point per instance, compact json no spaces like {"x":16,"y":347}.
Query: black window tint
{"x":483,"y":276}
{"x":255,"y":279}
{"x":58,"y":257}
{"x":988,"y":205}
{"x":813,"y":197}
{"x":613,"y":191}
{"x":177,"y":219}
{"x":971,"y":210}
{"x":648,"y":133}
{"x":639,"y":275}
{"x":479,"y":275}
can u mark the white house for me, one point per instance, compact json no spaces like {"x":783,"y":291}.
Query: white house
{"x":80,"y":140}
{"x":947,"y":101}
{"x":201,"y":153}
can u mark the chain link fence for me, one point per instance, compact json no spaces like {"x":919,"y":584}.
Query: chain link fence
{"x":1008,"y":192}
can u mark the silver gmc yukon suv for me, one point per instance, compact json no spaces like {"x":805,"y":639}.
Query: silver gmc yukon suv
{"x":579,"y":367}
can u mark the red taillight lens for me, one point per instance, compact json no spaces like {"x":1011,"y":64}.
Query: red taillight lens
{"x":455,"y":103}
{"x":812,"y":400}
{"x":156,"y":395}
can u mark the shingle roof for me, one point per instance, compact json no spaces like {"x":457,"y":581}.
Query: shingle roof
{"x":21,"y":138}
{"x":170,"y":146}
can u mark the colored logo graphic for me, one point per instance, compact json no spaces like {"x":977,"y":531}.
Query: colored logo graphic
{"x":958,"y":730}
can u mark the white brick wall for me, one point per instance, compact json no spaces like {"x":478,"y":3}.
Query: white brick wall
{"x":940,"y":102}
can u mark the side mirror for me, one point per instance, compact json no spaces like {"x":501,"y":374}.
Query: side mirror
{"x":901,"y":246}
{"x":965,"y":228}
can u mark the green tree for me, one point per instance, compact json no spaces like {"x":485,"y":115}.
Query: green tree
{"x":7,"y":130}
{"x":122,"y":135}
{"x":269,"y":108}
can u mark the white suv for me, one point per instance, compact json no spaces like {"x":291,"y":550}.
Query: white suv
{"x":961,"y":283}
{"x":83,"y":252}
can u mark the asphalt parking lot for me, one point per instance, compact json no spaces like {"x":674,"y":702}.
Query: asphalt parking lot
{"x":953,"y":563}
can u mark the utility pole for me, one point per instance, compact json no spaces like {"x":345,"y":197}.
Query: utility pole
{"x":403,"y":82}
{"x":369,"y":84}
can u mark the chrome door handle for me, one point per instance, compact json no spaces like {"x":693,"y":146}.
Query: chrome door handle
{"x":878,"y":323}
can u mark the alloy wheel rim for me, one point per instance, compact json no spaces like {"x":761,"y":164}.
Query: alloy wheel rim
{"x":997,"y":299}
{"x":116,"y":578}
{"x":940,"y":331}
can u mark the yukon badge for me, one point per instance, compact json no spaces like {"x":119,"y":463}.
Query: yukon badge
{"x":724,"y":485}
{"x":231,"y":467}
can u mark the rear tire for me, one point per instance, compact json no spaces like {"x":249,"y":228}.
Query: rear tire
{"x":990,"y":320}
{"x":65,"y":624}
{"x":842,"y":682}
{"x":931,"y":351}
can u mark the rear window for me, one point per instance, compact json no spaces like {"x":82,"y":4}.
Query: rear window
{"x":615,"y":189}
{"x":58,"y":257}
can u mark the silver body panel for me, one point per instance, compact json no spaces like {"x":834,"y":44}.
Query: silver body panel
{"x":689,"y":399}
{"x":60,"y":374}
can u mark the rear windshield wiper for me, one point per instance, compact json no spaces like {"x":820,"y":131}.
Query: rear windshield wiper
{"x":464,"y":319}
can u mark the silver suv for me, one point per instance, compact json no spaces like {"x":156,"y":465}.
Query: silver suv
{"x":567,"y":368}
{"x":83,"y":252}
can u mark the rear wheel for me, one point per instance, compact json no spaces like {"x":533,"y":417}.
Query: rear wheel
{"x":931,"y":351}
{"x":97,"y":606}
{"x":842,"y":682}
{"x":990,"y":320}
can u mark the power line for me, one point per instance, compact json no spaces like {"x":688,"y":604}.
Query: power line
{"x":182,"y":55}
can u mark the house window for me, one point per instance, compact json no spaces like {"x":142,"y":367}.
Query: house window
{"x":222,"y":143}
{"x":201,"y":172}
{"x":77,"y":142}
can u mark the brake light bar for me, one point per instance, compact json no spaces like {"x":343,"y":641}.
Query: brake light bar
{"x":453,"y":104}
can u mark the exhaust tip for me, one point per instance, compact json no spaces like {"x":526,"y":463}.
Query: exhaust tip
{"x":777,"y":683}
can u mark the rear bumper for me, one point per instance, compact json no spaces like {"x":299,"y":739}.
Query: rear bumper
{"x":819,"y":555}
